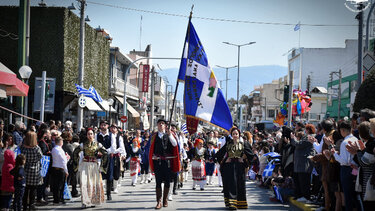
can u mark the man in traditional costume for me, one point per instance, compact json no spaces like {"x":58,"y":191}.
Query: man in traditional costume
{"x":115,"y":148}
{"x":164,"y":159}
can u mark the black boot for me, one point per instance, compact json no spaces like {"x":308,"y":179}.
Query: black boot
{"x":109,"y":187}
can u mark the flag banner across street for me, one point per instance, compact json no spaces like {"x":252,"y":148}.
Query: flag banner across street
{"x":203,"y":97}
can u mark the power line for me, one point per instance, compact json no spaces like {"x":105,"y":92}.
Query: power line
{"x":220,"y":19}
{"x":4,"y":33}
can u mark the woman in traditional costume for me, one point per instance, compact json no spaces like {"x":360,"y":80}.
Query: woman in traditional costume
{"x":198,"y":169}
{"x":234,"y":158}
{"x":91,"y":184}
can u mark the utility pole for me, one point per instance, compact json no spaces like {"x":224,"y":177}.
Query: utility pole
{"x":339,"y":97}
{"x":265,"y":108}
{"x":226,"y":80}
{"x":152,"y":98}
{"x":43,"y":95}
{"x":308,"y":83}
{"x":291,"y":76}
{"x":81,"y":66}
{"x":360,"y":39}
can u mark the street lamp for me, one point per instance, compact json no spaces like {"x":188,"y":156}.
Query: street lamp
{"x":25,"y":73}
{"x":167,"y":101}
{"x":238,"y":74}
{"x":226,"y":79}
{"x":110,"y":103}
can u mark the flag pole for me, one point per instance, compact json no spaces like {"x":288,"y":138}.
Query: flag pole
{"x":177,"y":82}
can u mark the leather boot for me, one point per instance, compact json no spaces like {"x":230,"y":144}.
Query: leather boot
{"x":165,"y":197}
{"x":158,"y":199}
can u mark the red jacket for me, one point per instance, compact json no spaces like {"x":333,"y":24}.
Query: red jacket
{"x":7,"y":180}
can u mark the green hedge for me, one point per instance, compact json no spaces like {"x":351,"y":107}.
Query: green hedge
{"x":54,"y":47}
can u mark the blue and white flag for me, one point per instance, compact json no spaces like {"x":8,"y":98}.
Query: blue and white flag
{"x":277,"y":193}
{"x":17,"y":151}
{"x":67,"y":195}
{"x":297,"y":27}
{"x":184,"y":128}
{"x":45,"y":164}
{"x":97,"y":97}
{"x":268,"y":170}
{"x":203,"y":97}
{"x":272,"y":154}
{"x":91,"y":93}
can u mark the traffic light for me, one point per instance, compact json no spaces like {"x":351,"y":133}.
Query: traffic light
{"x":286,"y":93}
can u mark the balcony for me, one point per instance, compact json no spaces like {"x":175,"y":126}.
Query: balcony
{"x":117,"y":88}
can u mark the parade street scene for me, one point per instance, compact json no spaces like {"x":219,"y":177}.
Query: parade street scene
{"x":187,"y":105}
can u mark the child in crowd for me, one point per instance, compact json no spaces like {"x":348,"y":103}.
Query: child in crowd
{"x":19,"y":181}
{"x":284,"y":184}
{"x":7,"y":187}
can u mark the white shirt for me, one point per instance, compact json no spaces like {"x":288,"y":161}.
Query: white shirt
{"x":318,"y":146}
{"x":221,"y":142}
{"x":345,"y":158}
{"x":113,"y":149}
{"x":59,"y":159}
{"x":171,"y":138}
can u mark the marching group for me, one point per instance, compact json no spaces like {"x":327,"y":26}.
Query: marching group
{"x":95,"y":160}
{"x":331,"y":164}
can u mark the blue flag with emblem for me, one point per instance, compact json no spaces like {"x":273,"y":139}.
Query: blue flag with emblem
{"x":45,"y":164}
{"x":203,"y":98}
{"x":268,"y":170}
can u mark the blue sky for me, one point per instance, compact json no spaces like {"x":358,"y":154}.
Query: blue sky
{"x":167,"y":33}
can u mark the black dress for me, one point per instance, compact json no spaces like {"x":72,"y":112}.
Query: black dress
{"x":232,"y":168}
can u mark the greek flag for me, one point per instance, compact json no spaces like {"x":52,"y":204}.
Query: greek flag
{"x":277,"y":193}
{"x":67,"y":194}
{"x":45,"y":164}
{"x":97,"y":97}
{"x":203,"y":97}
{"x":268,"y":170}
{"x":184,"y":128}
{"x":91,"y":93}
{"x":272,"y":154}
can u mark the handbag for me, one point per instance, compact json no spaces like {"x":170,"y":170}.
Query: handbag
{"x":370,"y":191}
{"x":358,"y":186}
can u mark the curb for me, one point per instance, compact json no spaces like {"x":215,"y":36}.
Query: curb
{"x":302,"y":206}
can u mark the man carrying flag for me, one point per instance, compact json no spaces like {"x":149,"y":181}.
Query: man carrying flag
{"x":204,"y":101}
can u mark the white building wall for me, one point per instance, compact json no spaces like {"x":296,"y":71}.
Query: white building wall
{"x":319,"y":62}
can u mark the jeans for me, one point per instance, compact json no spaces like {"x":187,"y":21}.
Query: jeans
{"x":347,"y":183}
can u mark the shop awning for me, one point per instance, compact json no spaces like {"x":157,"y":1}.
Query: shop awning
{"x":105,"y":105}
{"x":130,"y":108}
{"x":92,"y":105}
{"x":13,"y":85}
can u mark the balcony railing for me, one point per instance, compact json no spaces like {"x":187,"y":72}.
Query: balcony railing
{"x":118,"y":87}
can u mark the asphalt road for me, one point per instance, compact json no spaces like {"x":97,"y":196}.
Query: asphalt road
{"x":142,"y":197}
